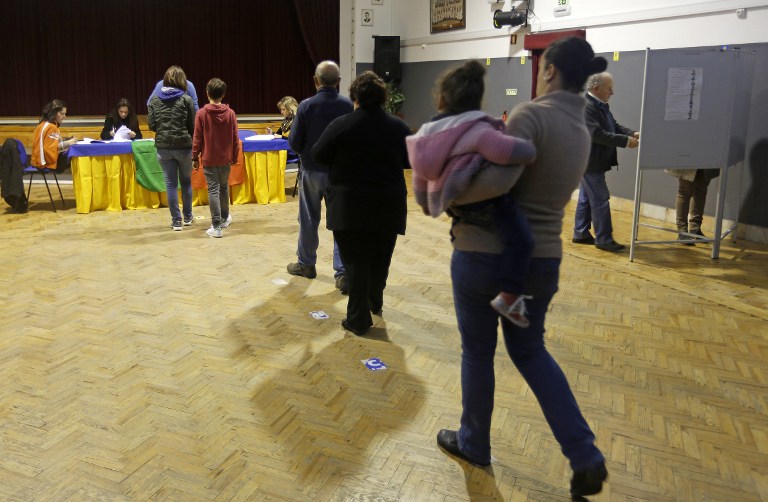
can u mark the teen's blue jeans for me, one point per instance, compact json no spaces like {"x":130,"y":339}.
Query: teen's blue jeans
{"x":594,"y":209}
{"x":475,"y":283}
{"x":312,"y":189}
{"x":177,"y":170}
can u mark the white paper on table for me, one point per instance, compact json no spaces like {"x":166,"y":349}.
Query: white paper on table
{"x":122,"y":134}
{"x":260,"y":137}
{"x":86,"y":141}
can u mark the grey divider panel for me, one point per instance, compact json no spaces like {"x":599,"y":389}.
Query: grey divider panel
{"x":717,"y":138}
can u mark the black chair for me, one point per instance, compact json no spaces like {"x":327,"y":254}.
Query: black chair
{"x":31,"y":171}
{"x":294,"y":159}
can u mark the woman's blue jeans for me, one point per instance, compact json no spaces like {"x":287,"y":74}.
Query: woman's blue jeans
{"x":177,"y":170}
{"x":475,"y":283}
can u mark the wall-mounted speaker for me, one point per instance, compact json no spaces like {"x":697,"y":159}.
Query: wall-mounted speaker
{"x":386,"y":58}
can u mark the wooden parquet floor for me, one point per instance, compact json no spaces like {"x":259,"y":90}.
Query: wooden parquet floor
{"x":139,"y":363}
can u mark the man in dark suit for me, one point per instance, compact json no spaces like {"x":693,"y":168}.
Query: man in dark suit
{"x":312,"y":117}
{"x":593,"y":208}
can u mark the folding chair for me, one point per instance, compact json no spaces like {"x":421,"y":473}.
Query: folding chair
{"x":32,"y":171}
{"x":293,"y":158}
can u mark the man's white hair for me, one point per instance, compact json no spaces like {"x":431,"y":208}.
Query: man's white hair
{"x":597,"y":79}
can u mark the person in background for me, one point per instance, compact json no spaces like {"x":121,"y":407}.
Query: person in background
{"x":555,"y":123}
{"x":366,"y":196}
{"x":122,"y":115}
{"x":172,"y":117}
{"x":47,"y":144}
{"x":691,"y":197}
{"x":191,"y":92}
{"x":215,"y":141}
{"x":312,"y":117}
{"x":287,"y":106}
{"x":594,"y":205}
{"x":456,"y":144}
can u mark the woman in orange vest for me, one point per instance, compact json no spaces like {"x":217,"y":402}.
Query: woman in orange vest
{"x":48,"y":143}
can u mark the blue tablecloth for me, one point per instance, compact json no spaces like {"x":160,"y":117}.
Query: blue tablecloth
{"x":123,"y":147}
{"x":265,"y":146}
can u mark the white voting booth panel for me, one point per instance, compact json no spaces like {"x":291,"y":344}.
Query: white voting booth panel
{"x":694,"y":115}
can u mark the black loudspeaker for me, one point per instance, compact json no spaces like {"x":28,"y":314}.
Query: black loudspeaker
{"x":386,"y":58}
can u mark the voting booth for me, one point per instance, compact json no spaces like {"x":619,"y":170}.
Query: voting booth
{"x":694,"y":115}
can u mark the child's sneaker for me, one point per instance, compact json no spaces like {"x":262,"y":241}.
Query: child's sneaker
{"x":515,"y":311}
{"x":214,"y":232}
{"x":176,"y":225}
{"x":227,"y":222}
{"x":188,"y":221}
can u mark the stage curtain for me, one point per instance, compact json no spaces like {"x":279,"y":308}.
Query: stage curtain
{"x":90,"y":54}
{"x":319,"y":24}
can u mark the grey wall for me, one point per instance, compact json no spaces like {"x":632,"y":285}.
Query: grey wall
{"x":747,"y":195}
{"x":419,"y":81}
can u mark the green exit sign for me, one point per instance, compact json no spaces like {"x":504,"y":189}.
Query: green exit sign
{"x":562,"y":2}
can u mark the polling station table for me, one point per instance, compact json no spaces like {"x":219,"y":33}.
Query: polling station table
{"x":104,"y":176}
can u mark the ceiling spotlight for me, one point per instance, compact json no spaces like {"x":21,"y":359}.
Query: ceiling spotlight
{"x":510,"y":18}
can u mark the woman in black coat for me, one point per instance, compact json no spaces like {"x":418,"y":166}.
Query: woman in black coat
{"x":122,"y":115}
{"x":366,"y":200}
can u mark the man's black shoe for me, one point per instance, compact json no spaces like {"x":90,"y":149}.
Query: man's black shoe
{"x":583,"y":240}
{"x":358,"y":332}
{"x":448,"y":440}
{"x":588,"y":481}
{"x":611,"y":246}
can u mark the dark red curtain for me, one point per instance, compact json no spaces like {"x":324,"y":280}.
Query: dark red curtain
{"x":537,"y":44}
{"x":320,"y":34}
{"x":92,"y":53}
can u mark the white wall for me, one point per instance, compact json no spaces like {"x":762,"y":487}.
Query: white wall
{"x":615,"y":25}
{"x":356,"y":40}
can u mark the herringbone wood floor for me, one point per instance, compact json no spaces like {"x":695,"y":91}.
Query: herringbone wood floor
{"x":142,"y":364}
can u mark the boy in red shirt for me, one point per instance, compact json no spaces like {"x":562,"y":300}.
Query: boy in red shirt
{"x":216,"y":141}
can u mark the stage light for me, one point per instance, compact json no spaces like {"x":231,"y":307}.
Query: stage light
{"x":513,"y":17}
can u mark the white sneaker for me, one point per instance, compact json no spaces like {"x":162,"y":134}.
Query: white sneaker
{"x":514,"y":312}
{"x":227,"y":222}
{"x":214,"y":232}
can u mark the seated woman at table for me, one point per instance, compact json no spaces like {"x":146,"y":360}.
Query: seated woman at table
{"x":122,"y":115}
{"x":287,"y":106}
{"x":48,"y":144}
{"x":172,"y":117}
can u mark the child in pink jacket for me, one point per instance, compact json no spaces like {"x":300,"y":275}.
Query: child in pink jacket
{"x":448,"y":151}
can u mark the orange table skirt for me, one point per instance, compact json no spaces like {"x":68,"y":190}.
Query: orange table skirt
{"x":108,"y":183}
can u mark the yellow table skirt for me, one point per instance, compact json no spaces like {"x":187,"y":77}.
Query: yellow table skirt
{"x":108,"y":182}
{"x":263,"y":180}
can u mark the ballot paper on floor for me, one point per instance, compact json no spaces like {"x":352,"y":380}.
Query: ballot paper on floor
{"x":374,"y":364}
